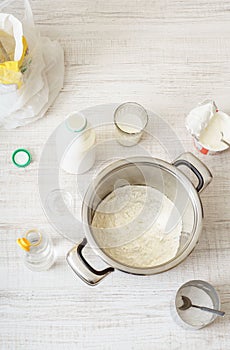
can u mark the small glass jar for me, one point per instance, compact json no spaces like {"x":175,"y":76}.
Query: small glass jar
{"x":39,"y":250}
{"x":130,"y":120}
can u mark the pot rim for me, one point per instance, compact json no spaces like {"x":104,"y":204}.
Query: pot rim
{"x":193,"y":195}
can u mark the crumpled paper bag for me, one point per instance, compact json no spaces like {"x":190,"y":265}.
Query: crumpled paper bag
{"x":40,"y":64}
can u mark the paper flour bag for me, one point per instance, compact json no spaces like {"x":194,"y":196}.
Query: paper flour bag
{"x":31,"y":69}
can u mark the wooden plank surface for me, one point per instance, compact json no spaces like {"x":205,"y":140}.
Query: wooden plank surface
{"x":168,"y":56}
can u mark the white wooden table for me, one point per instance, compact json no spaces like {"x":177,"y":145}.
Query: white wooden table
{"x":168,"y":56}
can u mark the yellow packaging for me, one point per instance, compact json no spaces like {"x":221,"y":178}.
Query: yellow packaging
{"x":13,"y":49}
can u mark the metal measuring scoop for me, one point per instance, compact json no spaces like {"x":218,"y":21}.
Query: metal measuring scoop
{"x":187,"y":304}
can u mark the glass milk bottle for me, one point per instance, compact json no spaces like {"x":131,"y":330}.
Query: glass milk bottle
{"x":39,"y":251}
{"x":80,"y":154}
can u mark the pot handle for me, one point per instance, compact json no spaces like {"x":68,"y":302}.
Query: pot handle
{"x":197,"y":167}
{"x":82,"y":268}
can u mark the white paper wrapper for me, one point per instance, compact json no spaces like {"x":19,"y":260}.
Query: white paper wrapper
{"x":13,"y":26}
{"x":199,"y":117}
{"x":209,"y":127}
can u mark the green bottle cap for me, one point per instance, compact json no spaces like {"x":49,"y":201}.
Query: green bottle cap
{"x":21,"y":158}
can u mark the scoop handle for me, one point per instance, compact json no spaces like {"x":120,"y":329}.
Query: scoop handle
{"x":213,"y":311}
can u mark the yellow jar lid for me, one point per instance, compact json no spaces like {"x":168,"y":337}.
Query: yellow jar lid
{"x":24,"y":243}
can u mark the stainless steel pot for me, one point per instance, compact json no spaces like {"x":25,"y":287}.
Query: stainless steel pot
{"x":163,"y":176}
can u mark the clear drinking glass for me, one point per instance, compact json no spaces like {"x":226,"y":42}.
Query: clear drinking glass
{"x":130,"y":120}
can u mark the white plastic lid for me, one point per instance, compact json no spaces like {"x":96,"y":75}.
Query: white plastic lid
{"x":76,"y":122}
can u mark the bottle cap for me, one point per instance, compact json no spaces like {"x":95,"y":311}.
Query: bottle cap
{"x":24,"y":243}
{"x":21,"y":158}
{"x":76,"y":122}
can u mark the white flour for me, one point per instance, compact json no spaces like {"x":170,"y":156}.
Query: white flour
{"x":138,"y":226}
